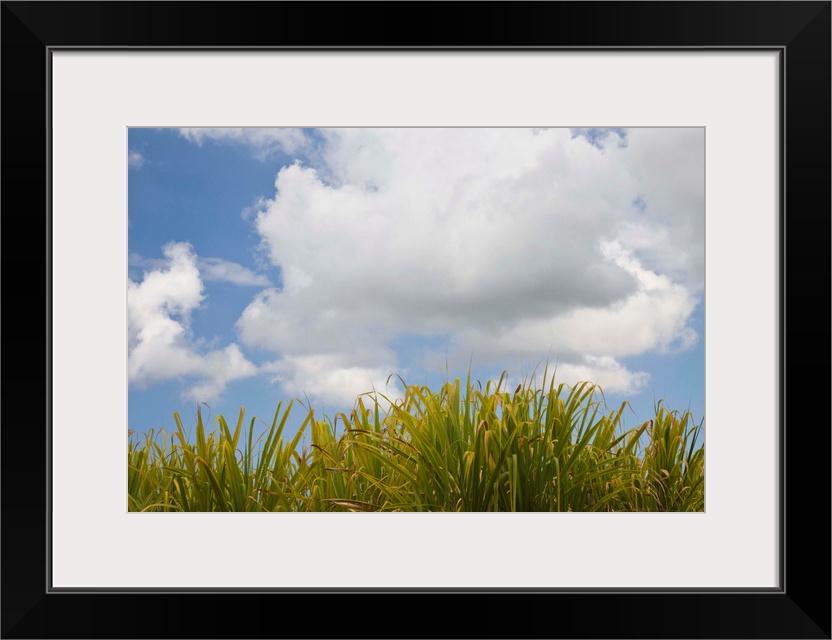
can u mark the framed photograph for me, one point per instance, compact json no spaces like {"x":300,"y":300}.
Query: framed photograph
{"x":629,"y":187}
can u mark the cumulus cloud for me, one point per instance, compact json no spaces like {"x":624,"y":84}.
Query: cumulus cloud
{"x":224,"y":270}
{"x":514,"y":243}
{"x":160,"y":346}
{"x":210,"y":269}
{"x":135,"y":159}
{"x":652,"y":318}
{"x":604,"y":371}
{"x":670,"y":180}
{"x":332,"y":379}
{"x":263,"y":142}
{"x":601,"y":138}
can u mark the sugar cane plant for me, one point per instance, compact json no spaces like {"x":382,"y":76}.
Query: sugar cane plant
{"x":463,"y":447}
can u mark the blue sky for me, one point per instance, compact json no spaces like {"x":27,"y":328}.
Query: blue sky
{"x":266,"y":264}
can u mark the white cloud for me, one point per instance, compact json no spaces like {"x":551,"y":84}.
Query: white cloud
{"x":327,"y":378}
{"x":604,"y":371}
{"x":135,"y":159}
{"x":210,"y":269}
{"x":217,"y":369}
{"x":515,"y":243}
{"x":671,"y":179}
{"x":160,"y":347}
{"x":263,"y":142}
{"x":652,"y":318}
{"x":223,"y":270}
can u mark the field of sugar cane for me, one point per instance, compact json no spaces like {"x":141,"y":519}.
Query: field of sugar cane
{"x":463,"y":447}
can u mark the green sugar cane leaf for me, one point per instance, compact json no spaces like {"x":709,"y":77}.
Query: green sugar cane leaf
{"x":392,"y":463}
{"x":353,"y":505}
{"x":146,"y":476}
{"x":495,"y":475}
{"x":201,"y":443}
{"x":215,"y":485}
{"x":234,"y":476}
{"x":225,"y":432}
{"x":309,"y":418}
{"x":238,"y":430}
{"x":166,"y":505}
{"x":183,"y":495}
{"x":608,"y":498}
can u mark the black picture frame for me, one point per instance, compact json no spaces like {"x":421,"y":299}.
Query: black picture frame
{"x":799,"y":608}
